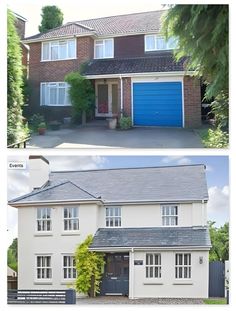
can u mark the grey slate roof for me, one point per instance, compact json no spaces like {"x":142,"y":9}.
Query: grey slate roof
{"x":158,"y":63}
{"x":162,"y":184}
{"x":112,"y":25}
{"x":152,"y":237}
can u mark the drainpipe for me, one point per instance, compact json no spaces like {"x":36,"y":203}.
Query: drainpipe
{"x":121,"y":96}
{"x":131,"y":263}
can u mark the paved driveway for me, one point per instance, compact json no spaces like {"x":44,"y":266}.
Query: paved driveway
{"x":101,"y":137}
{"x":117,"y":300}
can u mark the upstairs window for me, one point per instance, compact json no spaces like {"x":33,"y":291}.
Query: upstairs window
{"x":44,"y":222}
{"x":69,"y":267}
{"x":169,"y":215}
{"x":113,"y":217}
{"x":71,"y":218}
{"x":54,"y":94}
{"x":59,"y":50}
{"x":183,"y":266}
{"x":104,"y":48}
{"x":158,"y":43}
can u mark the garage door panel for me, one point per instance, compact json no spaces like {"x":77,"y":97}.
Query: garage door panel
{"x":157,"y":104}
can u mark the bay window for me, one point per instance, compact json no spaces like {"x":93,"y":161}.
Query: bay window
{"x":58,"y":50}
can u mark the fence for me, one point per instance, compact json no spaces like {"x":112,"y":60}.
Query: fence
{"x":216,"y":279}
{"x":41,"y":296}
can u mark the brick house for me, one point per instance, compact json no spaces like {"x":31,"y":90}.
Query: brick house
{"x":129,"y":63}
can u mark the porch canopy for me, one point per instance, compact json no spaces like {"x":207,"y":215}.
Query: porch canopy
{"x":161,"y":237}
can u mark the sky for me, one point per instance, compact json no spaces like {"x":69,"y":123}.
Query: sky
{"x":217,"y":168}
{"x":78,"y":10}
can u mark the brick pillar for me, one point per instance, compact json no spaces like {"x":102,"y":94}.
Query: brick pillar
{"x":192,"y":102}
{"x":127,"y":96}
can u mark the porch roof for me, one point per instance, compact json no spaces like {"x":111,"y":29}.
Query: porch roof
{"x":163,"y":62}
{"x":151,"y":237}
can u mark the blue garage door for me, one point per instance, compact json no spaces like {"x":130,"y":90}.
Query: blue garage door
{"x":157,"y":104}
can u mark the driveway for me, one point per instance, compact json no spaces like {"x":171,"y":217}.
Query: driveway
{"x":117,"y":300}
{"x":94,"y":136}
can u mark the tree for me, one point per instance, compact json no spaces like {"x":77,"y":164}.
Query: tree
{"x":202,"y":32}
{"x":219,"y":241}
{"x":89,"y":266}
{"x":81,"y":94}
{"x":12,"y":255}
{"x":52,"y":17}
{"x":16,"y":130}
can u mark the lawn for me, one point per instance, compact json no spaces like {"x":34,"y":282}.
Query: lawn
{"x":215,"y":301}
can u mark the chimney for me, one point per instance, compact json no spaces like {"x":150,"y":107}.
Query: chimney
{"x":38,"y":172}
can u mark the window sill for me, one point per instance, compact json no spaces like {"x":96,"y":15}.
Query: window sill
{"x":49,"y":282}
{"x":56,"y":60}
{"x":183,"y":282}
{"x":64,"y":233}
{"x":43,"y":234}
{"x":55,"y":105}
{"x":68,"y":282}
{"x":153,"y":283}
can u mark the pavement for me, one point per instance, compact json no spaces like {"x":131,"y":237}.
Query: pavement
{"x":118,"y":300}
{"x":94,"y":136}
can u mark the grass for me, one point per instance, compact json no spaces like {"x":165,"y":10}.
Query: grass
{"x":215,"y":301}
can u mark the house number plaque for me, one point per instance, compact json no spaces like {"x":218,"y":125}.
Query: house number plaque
{"x":138,"y":262}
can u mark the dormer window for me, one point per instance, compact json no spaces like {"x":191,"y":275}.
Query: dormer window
{"x":104,"y":48}
{"x":158,"y":43}
{"x":169,"y":215}
{"x":59,"y":50}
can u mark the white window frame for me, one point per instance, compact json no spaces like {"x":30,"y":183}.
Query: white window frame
{"x":103,"y":48}
{"x":184,"y":267}
{"x":44,"y":220}
{"x":43,"y":268}
{"x":111,"y":217}
{"x":156,"y":37}
{"x":57,"y":43}
{"x":153,"y":267}
{"x":164,"y":216}
{"x":66,"y":86}
{"x":71,"y":268}
{"x":70,"y":219}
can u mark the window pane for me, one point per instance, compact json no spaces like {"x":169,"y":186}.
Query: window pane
{"x":150,"y":42}
{"x":54,"y":52}
{"x":62,"y":50}
{"x":65,"y":213}
{"x":53,"y":96}
{"x":71,"y":49}
{"x":172,"y":43}
{"x":108,"y":48}
{"x":147,"y":275}
{"x":61,"y":96}
{"x":99,"y":51}
{"x":45,"y":55}
{"x":151,"y":272}
{"x":161,"y":44}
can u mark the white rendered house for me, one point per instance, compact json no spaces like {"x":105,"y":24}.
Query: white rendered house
{"x":150,"y":222}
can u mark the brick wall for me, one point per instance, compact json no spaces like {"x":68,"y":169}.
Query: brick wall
{"x":127,"y":96}
{"x":192,"y":102}
{"x":53,"y":71}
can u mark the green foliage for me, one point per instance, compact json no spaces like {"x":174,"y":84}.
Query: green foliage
{"x":215,"y":301}
{"x":52,"y":17}
{"x":202,"y":32}
{"x":16,"y":129}
{"x":42,"y":125}
{"x":81,"y":93}
{"x":125,"y":123}
{"x":35,"y":120}
{"x":216,"y":138}
{"x":89,"y":266}
{"x":219,"y":241}
{"x":220,"y":108}
{"x":12,"y":255}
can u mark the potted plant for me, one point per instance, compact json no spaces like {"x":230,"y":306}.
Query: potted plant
{"x":125,"y":123}
{"x":42,"y":128}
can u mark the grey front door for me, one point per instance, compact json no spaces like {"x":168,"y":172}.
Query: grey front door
{"x":115,"y":280}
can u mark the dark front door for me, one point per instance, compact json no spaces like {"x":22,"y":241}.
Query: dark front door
{"x":116,"y":275}
{"x":216,"y":279}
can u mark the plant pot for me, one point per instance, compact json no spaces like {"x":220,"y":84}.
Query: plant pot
{"x":112,"y":123}
{"x":41,"y":131}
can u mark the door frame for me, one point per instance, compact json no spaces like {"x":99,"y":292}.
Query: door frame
{"x":157,"y":79}
{"x":109,"y":83}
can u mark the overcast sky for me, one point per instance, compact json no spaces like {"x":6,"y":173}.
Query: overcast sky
{"x":79,"y":10}
{"x":216,"y":173}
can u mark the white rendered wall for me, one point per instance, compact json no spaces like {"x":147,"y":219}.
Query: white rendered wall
{"x":167,"y":286}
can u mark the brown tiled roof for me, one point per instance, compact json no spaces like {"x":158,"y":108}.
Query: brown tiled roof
{"x":113,"y":25}
{"x":158,"y":63}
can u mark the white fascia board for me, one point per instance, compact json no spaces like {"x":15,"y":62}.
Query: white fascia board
{"x":147,"y":248}
{"x":58,"y":202}
{"x":145,"y":202}
{"x":142,"y":74}
{"x":59,"y":38}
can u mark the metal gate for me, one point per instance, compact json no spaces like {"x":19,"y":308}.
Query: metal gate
{"x":216,"y":279}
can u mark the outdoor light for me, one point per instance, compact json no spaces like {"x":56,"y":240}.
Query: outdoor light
{"x":201,"y":260}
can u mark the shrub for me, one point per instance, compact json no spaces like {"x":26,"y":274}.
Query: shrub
{"x":42,"y":125}
{"x":125,"y":123}
{"x":216,"y":139}
{"x":35,"y":120}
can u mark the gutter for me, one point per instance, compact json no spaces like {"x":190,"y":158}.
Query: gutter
{"x":146,"y":248}
{"x":58,"y":202}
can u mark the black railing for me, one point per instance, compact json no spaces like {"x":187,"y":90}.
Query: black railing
{"x":20,"y":144}
{"x":38,"y":296}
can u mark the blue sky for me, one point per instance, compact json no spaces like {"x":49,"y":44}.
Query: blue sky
{"x":216,"y":174}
